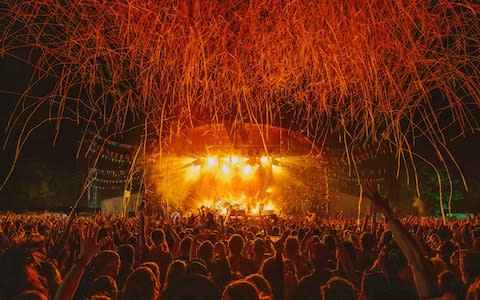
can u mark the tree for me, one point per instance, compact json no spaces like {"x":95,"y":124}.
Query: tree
{"x":436,"y":186}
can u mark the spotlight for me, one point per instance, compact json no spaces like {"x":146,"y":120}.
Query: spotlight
{"x":234,"y":159}
{"x":247,"y":170}
{"x":264,"y":160}
{"x":225,"y":169}
{"x":212,"y":161}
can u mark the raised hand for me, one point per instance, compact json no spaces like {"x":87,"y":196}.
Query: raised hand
{"x":88,"y":243}
{"x":278,"y":245}
{"x":380,"y":203}
{"x":88,"y":249}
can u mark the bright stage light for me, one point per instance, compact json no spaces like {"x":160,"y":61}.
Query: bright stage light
{"x":269,"y":207}
{"x":225,"y":169}
{"x":212,"y":161}
{"x":276,"y":169}
{"x":247,"y":170}
{"x":264,"y":160}
{"x":234,"y":159}
{"x":255,"y":210}
{"x":193,"y":172}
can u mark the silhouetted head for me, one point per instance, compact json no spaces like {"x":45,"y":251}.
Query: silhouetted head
{"x":375,"y":286}
{"x":235,"y":244}
{"x":338,"y":288}
{"x":141,"y":284}
{"x":106,"y":262}
{"x":158,"y":236}
{"x":240,"y":290}
{"x":260,"y":283}
{"x":127,"y":256}
{"x":177,"y":271}
{"x":104,"y":285}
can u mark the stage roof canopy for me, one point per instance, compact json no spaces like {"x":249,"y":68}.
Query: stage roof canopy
{"x":247,"y":140}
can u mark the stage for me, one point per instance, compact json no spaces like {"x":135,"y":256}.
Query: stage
{"x":253,"y":170}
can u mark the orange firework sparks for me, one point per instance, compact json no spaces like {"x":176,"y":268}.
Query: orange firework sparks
{"x":370,"y":70}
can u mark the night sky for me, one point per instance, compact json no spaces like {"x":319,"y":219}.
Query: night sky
{"x":39,"y":159}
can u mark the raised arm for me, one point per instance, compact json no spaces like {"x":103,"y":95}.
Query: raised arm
{"x":176,"y":239}
{"x":278,"y":245}
{"x":88,"y":249}
{"x":143,"y":244}
{"x":423,"y":275}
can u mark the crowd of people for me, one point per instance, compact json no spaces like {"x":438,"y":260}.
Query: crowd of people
{"x":208,"y":257}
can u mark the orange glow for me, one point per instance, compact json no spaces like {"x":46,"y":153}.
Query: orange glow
{"x":223,"y":206}
{"x":269,"y":207}
{"x":193,"y":172}
{"x":225,"y":169}
{"x":218,"y":206}
{"x":258,"y":209}
{"x":276,"y":169}
{"x":212,"y":161}
{"x":247,"y":170}
{"x":264,"y":160}
{"x":225,"y":182}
